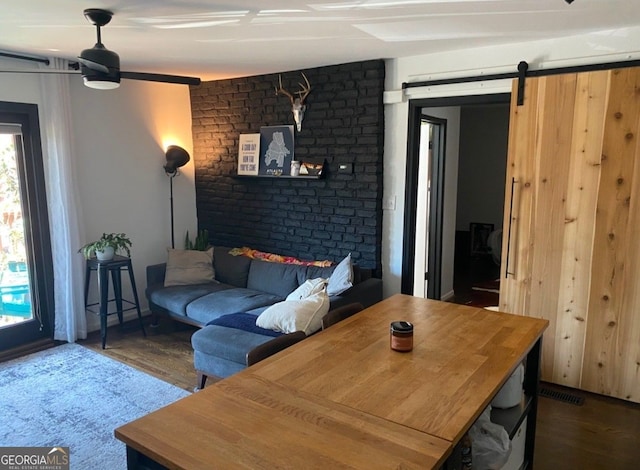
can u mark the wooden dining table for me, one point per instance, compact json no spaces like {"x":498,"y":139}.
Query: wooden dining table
{"x":342,"y":398}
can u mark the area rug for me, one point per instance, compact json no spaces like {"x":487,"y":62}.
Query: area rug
{"x":70,"y":396}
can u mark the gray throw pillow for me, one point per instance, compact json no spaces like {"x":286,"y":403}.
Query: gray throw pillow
{"x":186,"y":267}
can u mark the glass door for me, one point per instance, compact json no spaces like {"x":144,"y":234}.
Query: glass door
{"x":15,"y":291}
{"x":25,"y":254}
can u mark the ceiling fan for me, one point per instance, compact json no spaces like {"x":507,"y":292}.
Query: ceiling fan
{"x":100,"y":67}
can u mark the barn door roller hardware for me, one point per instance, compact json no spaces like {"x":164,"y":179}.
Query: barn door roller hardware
{"x":522,"y":76}
{"x":522,"y":73}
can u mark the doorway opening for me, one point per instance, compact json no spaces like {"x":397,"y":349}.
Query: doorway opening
{"x":484,"y":136}
{"x":465,"y":170}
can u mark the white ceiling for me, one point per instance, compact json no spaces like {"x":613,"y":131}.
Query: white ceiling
{"x":250,"y":37}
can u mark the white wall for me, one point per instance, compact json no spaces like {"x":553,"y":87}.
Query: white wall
{"x":18,"y":88}
{"x":576,"y":50}
{"x":120,"y":137}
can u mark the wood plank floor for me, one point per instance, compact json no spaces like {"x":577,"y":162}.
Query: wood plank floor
{"x":604,"y":433}
{"x":165,"y":353}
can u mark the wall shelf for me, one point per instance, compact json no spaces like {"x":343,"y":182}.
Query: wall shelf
{"x":301,"y":177}
{"x":319,"y":165}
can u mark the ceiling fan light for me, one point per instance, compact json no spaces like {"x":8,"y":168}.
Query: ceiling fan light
{"x":101,"y":83}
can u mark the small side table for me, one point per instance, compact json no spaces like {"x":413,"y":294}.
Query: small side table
{"x":115,"y":267}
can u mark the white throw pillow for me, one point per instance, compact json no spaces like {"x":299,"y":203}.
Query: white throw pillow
{"x":186,"y":267}
{"x":309,"y":287}
{"x":342,"y":277}
{"x":296,"y":315}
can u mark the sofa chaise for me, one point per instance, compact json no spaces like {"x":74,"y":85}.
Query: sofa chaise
{"x":227,"y":306}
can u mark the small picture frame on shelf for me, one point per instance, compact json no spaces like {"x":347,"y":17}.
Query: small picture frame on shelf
{"x":311,"y":167}
{"x":248,"y":154}
{"x":276,"y":150}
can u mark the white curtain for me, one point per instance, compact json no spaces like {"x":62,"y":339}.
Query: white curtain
{"x":64,"y":210}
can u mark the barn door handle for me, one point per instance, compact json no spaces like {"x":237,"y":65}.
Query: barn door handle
{"x":506,"y":270}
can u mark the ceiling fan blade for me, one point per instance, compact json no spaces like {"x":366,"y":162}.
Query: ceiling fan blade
{"x":93,"y":65}
{"x":41,"y":71}
{"x":159,"y":77}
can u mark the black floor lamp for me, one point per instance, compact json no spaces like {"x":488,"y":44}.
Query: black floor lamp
{"x":176,"y":158}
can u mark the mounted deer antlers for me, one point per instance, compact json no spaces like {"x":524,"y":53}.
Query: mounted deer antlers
{"x":297,"y":103}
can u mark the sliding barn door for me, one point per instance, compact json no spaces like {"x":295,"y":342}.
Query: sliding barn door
{"x":571,"y":251}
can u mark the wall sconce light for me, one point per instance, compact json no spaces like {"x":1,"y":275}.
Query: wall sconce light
{"x":176,"y":157}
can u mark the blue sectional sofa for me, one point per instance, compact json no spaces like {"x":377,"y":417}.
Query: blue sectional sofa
{"x":243,"y":286}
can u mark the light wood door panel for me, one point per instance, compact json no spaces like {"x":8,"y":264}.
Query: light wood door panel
{"x":514,"y":286}
{"x":610,"y":344}
{"x":579,"y":225}
{"x":539,"y":162}
{"x":571,"y":254}
{"x":555,"y":111}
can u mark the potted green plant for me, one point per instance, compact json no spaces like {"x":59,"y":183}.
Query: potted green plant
{"x":106,"y":246}
{"x":201,"y":242}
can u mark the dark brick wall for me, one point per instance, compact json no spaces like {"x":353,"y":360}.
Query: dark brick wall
{"x":311,"y":219}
